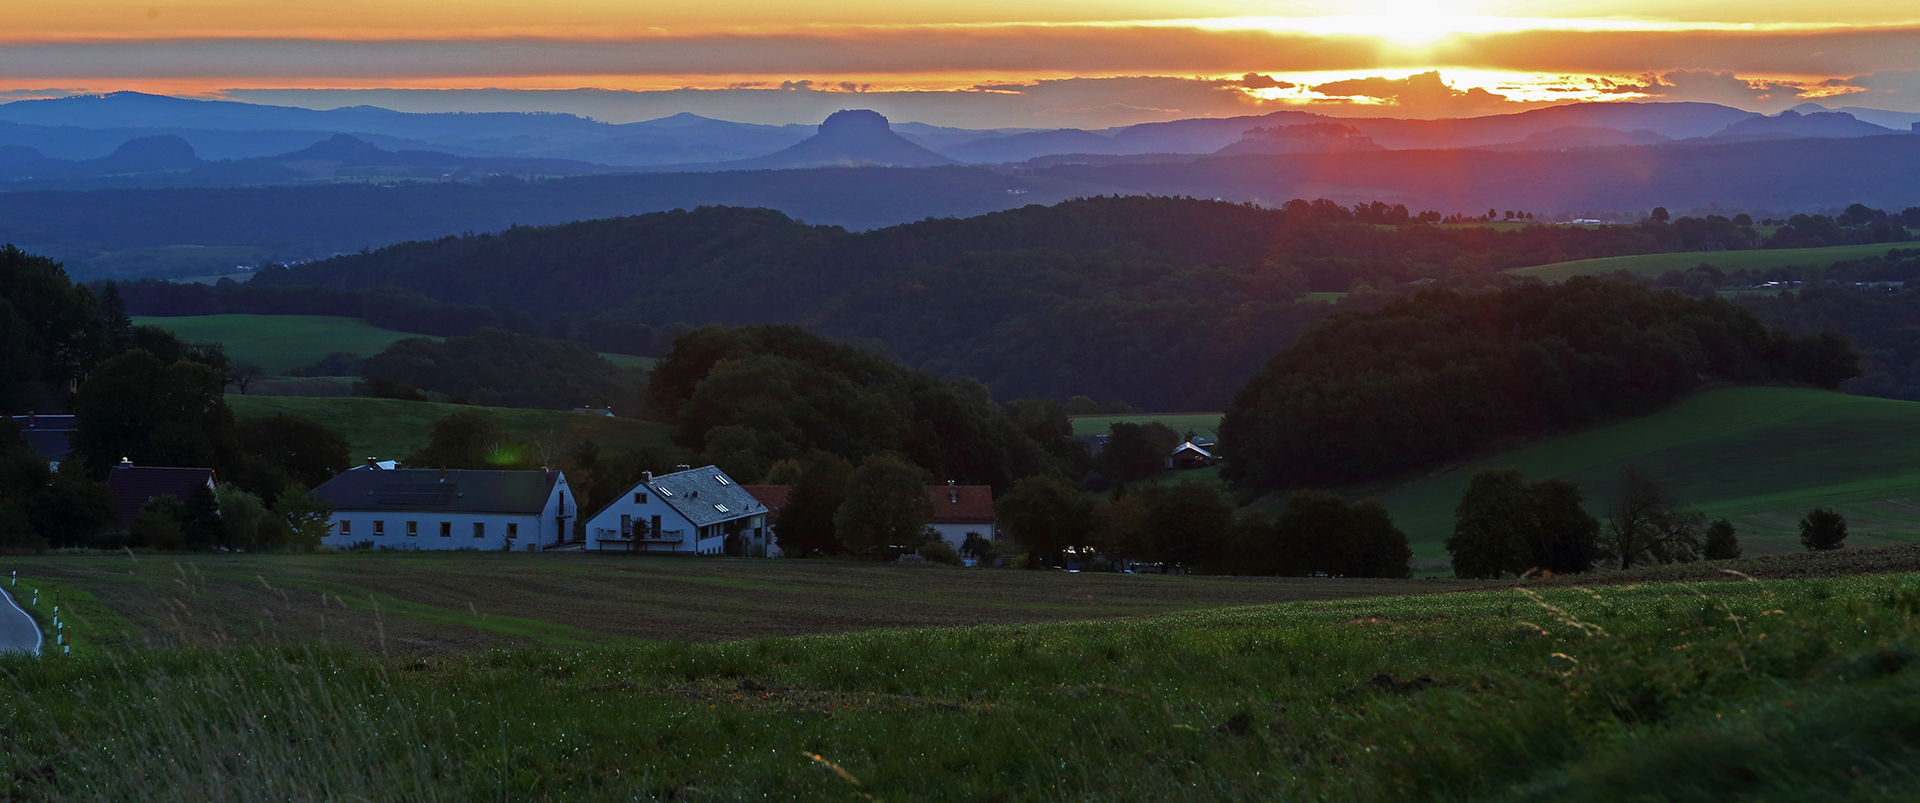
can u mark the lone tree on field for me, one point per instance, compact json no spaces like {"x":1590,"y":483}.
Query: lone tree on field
{"x":1822,"y":529}
{"x":1505,"y":524}
{"x":1646,"y":525}
{"x":886,"y":505}
{"x":1721,"y":542}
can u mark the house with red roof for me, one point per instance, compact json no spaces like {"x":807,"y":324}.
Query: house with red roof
{"x":958,"y":510}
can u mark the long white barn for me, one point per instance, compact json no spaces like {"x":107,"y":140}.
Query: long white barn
{"x":700,"y":511}
{"x":428,"y":508}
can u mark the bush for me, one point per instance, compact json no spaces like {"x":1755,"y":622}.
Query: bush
{"x":940,"y":552}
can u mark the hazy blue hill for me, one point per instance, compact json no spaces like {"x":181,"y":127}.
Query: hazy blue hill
{"x":1575,"y":136}
{"x":1792,"y":125}
{"x":848,"y":138}
{"x":1021,"y":147}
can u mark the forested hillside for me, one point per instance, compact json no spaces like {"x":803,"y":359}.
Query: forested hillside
{"x":1168,"y":303}
{"x":1430,"y":378}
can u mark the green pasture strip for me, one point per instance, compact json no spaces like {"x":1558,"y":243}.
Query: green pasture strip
{"x":176,"y":260}
{"x":1783,"y":690}
{"x":629,"y":360}
{"x":1203,"y":424}
{"x":390,"y":428}
{"x":1732,"y":451}
{"x":279,"y":342}
{"x":1729,"y":261}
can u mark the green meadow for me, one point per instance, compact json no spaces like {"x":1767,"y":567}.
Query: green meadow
{"x":1759,"y":456}
{"x":1202,"y":424}
{"x":1733,"y":689}
{"x":390,"y":428}
{"x":279,"y":342}
{"x":1656,"y":264}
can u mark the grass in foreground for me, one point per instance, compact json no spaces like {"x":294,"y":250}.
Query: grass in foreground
{"x":390,"y":428}
{"x":1656,"y":264}
{"x":453,"y":602}
{"x":1762,"y":456}
{"x":1789,"y":690}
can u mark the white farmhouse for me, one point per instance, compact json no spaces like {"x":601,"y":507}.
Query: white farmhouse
{"x":699,"y":511}
{"x":425,"y":508}
{"x":961,"y":510}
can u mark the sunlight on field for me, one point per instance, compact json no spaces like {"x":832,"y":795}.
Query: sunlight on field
{"x":1773,"y":453}
{"x":1729,"y":261}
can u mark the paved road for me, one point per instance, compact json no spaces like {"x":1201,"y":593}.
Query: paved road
{"x":18,"y":633}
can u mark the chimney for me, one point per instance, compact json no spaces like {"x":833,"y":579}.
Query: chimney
{"x":373,"y":464}
{"x":646,"y":476}
{"x":953,"y":494}
{"x":683,"y":467}
{"x":126,"y":463}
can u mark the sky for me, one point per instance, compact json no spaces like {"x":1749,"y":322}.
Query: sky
{"x":974,"y":64}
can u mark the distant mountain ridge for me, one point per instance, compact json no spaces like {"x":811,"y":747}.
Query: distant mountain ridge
{"x":87,"y":127}
{"x":169,"y":161}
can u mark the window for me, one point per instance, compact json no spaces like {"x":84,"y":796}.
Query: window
{"x":720,"y":478}
{"x":479,"y":529}
{"x":654,"y":525}
{"x":379,"y":529}
{"x":720,"y":507}
{"x":413,"y":529}
{"x":513,"y":529}
{"x":346,"y":528}
{"x":446,"y":529}
{"x":640,"y":497}
{"x":665,"y":492}
{"x":626,"y":525}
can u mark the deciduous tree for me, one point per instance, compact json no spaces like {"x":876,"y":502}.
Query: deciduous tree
{"x":886,"y":505}
{"x":1645,"y":524}
{"x":1823,"y":529}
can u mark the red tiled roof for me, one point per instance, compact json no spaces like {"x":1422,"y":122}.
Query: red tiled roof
{"x":773,"y":496}
{"x":959,"y":504}
{"x":134,"y":485}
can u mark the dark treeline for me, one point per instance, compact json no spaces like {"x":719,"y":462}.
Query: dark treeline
{"x":497,"y":368}
{"x":1883,"y":323}
{"x":1435,"y":376}
{"x":1166,"y":302}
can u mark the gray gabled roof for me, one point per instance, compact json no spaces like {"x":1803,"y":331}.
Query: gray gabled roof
{"x":424,"y":489}
{"x":699,"y":494}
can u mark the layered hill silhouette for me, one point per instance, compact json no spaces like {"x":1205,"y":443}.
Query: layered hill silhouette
{"x":93,"y":126}
{"x":847,"y":138}
{"x":169,"y":161}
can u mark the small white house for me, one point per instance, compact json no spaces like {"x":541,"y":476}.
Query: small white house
{"x":959,"y":510}
{"x":427,"y":508}
{"x":699,"y":511}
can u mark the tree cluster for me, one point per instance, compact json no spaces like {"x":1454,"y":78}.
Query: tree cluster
{"x":497,"y":368}
{"x":751,"y":396}
{"x":1505,"y":524}
{"x":1431,"y":377}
